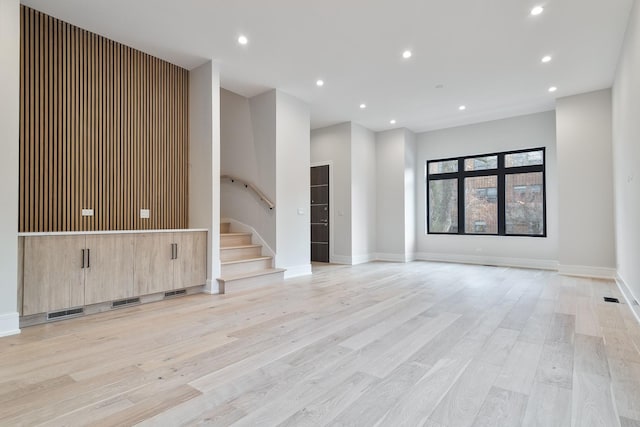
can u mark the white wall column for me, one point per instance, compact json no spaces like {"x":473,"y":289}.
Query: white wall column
{"x":293,"y":229}
{"x":9,"y":138}
{"x":585,"y":185}
{"x":204,"y":162}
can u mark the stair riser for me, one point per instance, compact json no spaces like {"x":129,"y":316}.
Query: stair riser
{"x":225,"y":227}
{"x":235,"y":240}
{"x":245,"y":267}
{"x":240,"y":253}
{"x":253,"y":282}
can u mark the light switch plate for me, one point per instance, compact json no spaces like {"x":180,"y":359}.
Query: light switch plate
{"x":87,"y":212}
{"x":144,"y":213}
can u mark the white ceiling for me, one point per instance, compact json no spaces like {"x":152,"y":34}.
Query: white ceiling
{"x":486,"y":53}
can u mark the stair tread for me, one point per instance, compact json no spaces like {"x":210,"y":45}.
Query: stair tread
{"x":236,"y":233}
{"x":239,"y":247}
{"x":264,"y":272}
{"x":239,"y":261}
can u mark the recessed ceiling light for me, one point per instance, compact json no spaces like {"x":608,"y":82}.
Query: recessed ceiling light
{"x":243,"y":40}
{"x":320,"y":83}
{"x":392,"y":121}
{"x":407,"y":54}
{"x":546,"y":59}
{"x":537,"y":10}
{"x":553,"y":89}
{"x":462,"y":107}
{"x":363,"y":106}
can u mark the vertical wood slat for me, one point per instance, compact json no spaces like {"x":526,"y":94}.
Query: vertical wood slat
{"x":102,"y":126}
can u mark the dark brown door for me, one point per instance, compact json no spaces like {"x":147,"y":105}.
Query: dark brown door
{"x":320,"y":213}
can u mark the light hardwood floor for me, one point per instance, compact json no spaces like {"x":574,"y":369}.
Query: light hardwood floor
{"x":379,"y":344}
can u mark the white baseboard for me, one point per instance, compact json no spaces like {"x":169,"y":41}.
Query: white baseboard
{"x":9,"y":324}
{"x":362,"y":259}
{"x":297,"y":271}
{"x":209,"y":288}
{"x":340,"y":259}
{"x":256,"y":238}
{"x":540,"y":264}
{"x":632,"y":300}
{"x":395,"y":257}
{"x":586,"y":271}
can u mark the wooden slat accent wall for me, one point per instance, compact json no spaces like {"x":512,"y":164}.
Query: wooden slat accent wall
{"x":102,"y":126}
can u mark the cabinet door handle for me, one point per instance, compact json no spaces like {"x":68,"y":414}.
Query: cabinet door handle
{"x":88,"y":258}
{"x":173,"y":251}
{"x":176,"y":246}
{"x":82,"y":264}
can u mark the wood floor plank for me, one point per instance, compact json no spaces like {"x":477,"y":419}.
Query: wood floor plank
{"x":375,"y":344}
{"x":548,"y":405}
{"x":625,"y":384}
{"x":461,"y":404}
{"x":501,"y":408}
{"x":422,"y":399}
{"x":590,"y":356}
{"x":519,"y":370}
{"x":556,"y":365}
{"x":592,"y":402}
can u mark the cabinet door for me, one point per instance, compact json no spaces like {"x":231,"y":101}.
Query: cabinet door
{"x":191,"y":262}
{"x":153,"y":267}
{"x":53,"y":273}
{"x":109,"y":273}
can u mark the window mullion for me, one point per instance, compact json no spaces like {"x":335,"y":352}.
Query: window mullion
{"x":501,"y":197}
{"x":461,"y":213}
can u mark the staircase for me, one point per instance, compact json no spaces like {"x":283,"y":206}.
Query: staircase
{"x":242,"y":263}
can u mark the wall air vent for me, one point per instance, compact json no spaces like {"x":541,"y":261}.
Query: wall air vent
{"x":175,"y":293}
{"x":609,"y":299}
{"x":63,"y":314}
{"x":124,"y":302}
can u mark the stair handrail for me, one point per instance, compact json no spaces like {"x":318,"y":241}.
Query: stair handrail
{"x":251,"y":186}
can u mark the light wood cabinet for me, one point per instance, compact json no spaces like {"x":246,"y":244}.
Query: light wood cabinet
{"x":190,"y":263}
{"x":67,"y":271}
{"x":109,"y":269}
{"x":168,"y":261}
{"x":153,"y":266}
{"x":53,"y":273}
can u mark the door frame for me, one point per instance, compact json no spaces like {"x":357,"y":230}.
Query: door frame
{"x":331,"y":222}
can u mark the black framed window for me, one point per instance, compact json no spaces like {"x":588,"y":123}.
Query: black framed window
{"x":500,"y":194}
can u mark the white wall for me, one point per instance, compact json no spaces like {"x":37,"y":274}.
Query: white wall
{"x":9,"y":137}
{"x":390,"y":182}
{"x":204,"y":162}
{"x":363,"y":194}
{"x":626,"y":157}
{"x":410,"y":193}
{"x":332,"y":145}
{"x":585,"y":184}
{"x":293,"y":231}
{"x":536,"y":130}
{"x":248,"y":151}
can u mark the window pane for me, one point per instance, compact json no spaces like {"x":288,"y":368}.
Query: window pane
{"x":524,"y":200}
{"x":523,"y":159}
{"x":481,"y":163}
{"x":446,"y":166}
{"x":443,"y":206}
{"x":481,"y":205}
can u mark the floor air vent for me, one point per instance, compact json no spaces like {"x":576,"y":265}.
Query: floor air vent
{"x":124,"y":302}
{"x":59,"y":315}
{"x":175,"y":293}
{"x":609,"y":299}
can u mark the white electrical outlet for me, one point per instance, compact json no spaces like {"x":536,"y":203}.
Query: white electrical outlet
{"x":144,"y":213}
{"x":87,"y":212}
{"x":300,"y":211}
